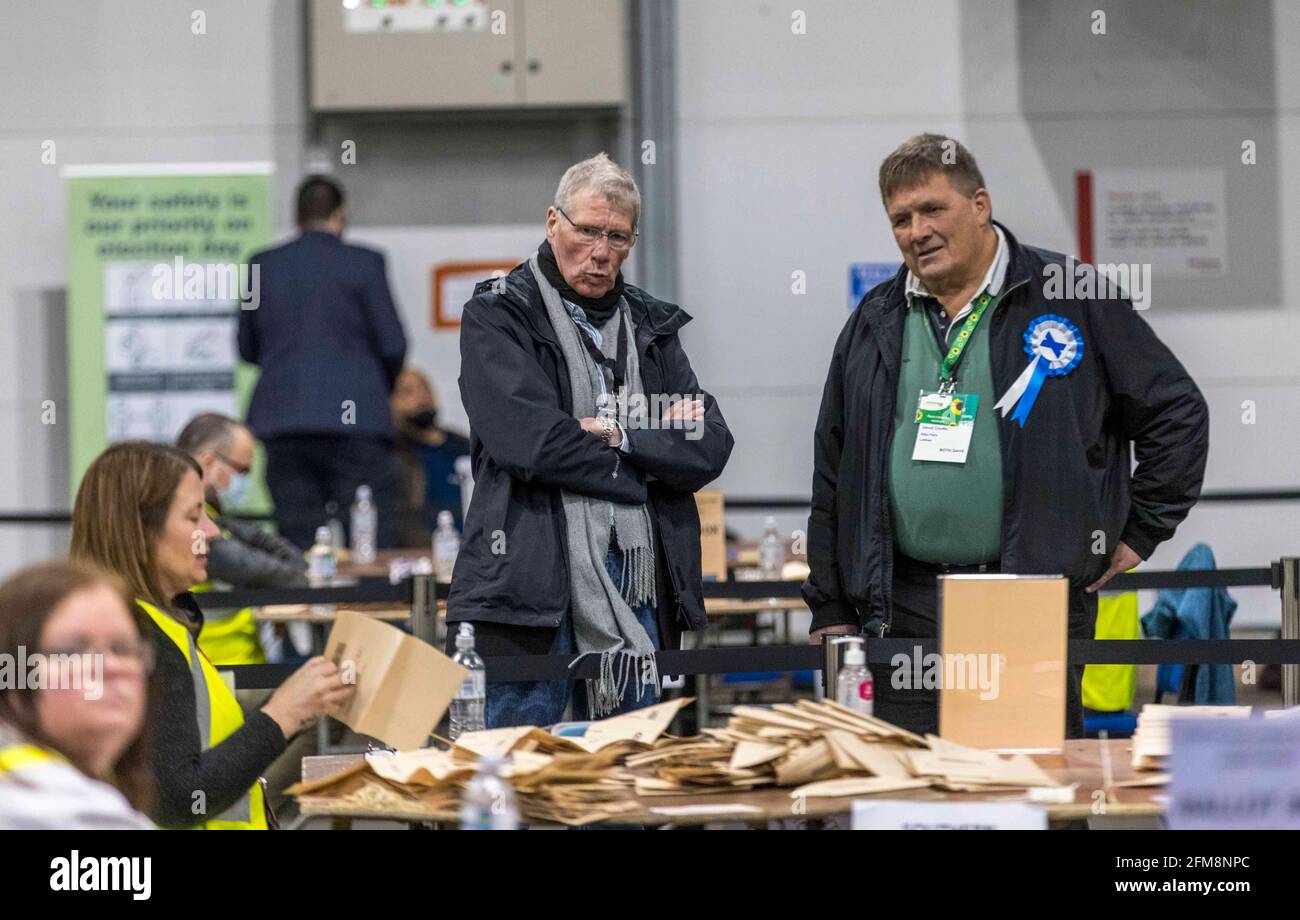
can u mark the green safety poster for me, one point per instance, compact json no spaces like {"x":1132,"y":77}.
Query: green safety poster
{"x":157,"y":275}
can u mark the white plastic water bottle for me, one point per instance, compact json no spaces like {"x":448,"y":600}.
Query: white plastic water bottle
{"x":468,"y":708}
{"x":446,"y":546}
{"x":338,"y":536}
{"x":489,"y":802}
{"x":365,"y":522}
{"x":771,"y":552}
{"x":855,"y":688}
{"x":322,"y":562}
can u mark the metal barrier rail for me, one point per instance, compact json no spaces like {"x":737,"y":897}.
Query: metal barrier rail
{"x":787,"y":658}
{"x":380,"y":590}
{"x":422,"y":592}
{"x":734,"y":502}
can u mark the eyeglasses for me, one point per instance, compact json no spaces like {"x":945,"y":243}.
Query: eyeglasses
{"x":138,"y":653}
{"x":241,"y":470}
{"x":618,"y":240}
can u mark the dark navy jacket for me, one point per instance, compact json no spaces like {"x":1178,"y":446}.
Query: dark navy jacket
{"x":327,"y":338}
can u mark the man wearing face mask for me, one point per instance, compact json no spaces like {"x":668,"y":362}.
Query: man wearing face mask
{"x":428,"y":454}
{"x":246,"y":556}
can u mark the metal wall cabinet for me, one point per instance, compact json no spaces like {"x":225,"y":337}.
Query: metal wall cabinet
{"x":574,"y":52}
{"x":444,"y":54}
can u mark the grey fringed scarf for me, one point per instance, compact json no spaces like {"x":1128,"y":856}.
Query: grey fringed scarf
{"x":603,"y":621}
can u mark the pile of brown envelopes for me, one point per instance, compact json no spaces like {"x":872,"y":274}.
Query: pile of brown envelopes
{"x":820,"y":750}
{"x":570,"y":781}
{"x":823,"y":750}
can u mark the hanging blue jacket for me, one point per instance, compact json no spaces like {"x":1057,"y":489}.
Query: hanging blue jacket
{"x":1194,"y":613}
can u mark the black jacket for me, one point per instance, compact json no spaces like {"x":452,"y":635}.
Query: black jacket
{"x":526,"y":447}
{"x":247,"y":556}
{"x":1066,"y":476}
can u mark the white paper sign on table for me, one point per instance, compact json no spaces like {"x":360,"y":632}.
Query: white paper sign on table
{"x":1239,"y":774}
{"x":901,"y":815}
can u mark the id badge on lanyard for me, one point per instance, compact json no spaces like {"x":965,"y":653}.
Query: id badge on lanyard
{"x":945,"y":419}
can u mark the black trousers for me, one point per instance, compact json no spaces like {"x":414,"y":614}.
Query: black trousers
{"x":306,"y":473}
{"x":916,"y":616}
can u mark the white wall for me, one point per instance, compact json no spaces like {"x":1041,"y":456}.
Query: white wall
{"x":780,"y":137}
{"x":782,"y":134}
{"x":112,"y":81}
{"x":126,"y":81}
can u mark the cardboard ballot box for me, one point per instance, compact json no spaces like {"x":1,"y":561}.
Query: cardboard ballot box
{"x":1003,"y":642}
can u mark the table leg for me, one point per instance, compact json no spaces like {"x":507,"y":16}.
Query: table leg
{"x":323,"y":723}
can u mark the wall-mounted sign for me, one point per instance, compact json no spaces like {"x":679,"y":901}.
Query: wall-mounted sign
{"x":1174,"y":220}
{"x":453,"y":286}
{"x":863,"y":276}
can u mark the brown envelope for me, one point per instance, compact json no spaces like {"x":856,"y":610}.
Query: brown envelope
{"x":403,"y":685}
{"x":641,"y":725}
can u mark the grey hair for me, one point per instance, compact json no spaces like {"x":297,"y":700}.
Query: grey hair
{"x":209,"y":431}
{"x":603,"y":176}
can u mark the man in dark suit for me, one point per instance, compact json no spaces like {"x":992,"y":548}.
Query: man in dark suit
{"x":330,"y":345}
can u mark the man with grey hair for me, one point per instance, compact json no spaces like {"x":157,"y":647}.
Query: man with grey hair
{"x":246,"y":556}
{"x":582,"y":537}
{"x":975,"y":421}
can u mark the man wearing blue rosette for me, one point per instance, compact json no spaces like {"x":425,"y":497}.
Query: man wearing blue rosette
{"x":977,"y":419}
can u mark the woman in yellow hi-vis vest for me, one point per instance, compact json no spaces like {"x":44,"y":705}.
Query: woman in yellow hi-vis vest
{"x":71,"y":752}
{"x":139,"y":513}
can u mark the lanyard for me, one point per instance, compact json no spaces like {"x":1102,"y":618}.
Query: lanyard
{"x":948,"y":367}
{"x":616,"y":366}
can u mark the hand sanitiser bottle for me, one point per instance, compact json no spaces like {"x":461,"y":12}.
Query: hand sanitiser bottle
{"x":855,"y":689}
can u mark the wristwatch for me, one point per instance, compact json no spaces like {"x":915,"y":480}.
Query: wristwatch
{"x":607,"y":427}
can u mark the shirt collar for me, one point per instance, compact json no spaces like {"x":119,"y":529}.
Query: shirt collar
{"x":994,"y":278}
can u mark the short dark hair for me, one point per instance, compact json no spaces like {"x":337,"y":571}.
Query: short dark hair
{"x":920,"y":157}
{"x":206,"y":431}
{"x":318,"y":198}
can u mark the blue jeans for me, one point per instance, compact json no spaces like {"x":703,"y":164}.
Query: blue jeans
{"x":544,"y":702}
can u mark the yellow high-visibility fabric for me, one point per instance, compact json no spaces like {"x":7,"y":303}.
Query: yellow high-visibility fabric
{"x":232,"y":640}
{"x":1110,"y":687}
{"x":20,"y":756}
{"x":222,"y":718}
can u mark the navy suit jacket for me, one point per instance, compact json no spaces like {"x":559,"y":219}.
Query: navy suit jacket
{"x":327,"y":338}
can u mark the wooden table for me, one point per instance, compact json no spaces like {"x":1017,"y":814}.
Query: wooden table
{"x":1080,"y":764}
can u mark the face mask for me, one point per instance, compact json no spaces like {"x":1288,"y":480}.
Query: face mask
{"x":233,"y":495}
{"x":423,"y":421}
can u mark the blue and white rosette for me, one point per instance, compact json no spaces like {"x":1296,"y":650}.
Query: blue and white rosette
{"x":1055,"y":347}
